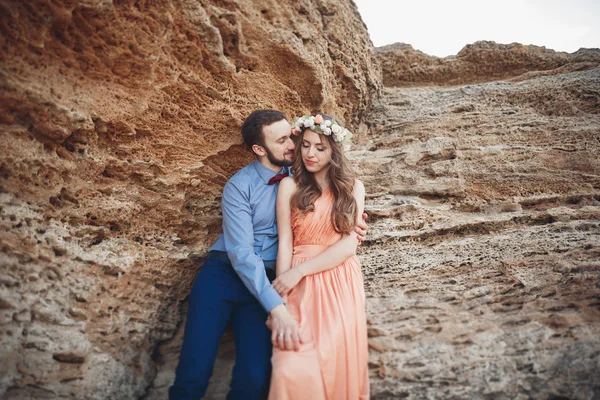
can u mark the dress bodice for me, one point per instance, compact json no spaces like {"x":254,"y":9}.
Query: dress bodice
{"x":315,"y":227}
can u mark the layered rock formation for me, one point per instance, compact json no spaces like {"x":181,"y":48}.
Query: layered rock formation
{"x":119,"y":125}
{"x":482,"y":267}
{"x":403,"y":66}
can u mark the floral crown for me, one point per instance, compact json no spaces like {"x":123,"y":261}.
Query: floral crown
{"x":323,"y":127}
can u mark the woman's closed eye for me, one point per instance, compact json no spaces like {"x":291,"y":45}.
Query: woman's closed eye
{"x":319,"y":148}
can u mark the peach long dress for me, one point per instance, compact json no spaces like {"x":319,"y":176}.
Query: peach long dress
{"x":332,"y":362}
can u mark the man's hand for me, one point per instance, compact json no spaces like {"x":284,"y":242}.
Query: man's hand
{"x":362,"y":228}
{"x":285,"y":334}
{"x":269,"y":322}
{"x":287,"y":281}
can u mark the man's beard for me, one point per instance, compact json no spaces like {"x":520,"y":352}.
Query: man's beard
{"x":276,"y":161}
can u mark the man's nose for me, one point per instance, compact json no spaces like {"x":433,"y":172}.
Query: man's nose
{"x":291,"y":145}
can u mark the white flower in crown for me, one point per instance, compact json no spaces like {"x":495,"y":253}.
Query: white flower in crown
{"x":322,"y":127}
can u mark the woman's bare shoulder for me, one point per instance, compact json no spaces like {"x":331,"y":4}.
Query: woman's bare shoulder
{"x":287,"y":185}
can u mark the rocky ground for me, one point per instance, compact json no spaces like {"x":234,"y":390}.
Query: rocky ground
{"x":483,"y":261}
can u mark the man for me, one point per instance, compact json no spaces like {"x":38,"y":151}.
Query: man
{"x":234,"y":283}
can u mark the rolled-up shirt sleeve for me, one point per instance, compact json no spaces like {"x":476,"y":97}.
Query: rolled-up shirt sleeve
{"x":238,"y":234}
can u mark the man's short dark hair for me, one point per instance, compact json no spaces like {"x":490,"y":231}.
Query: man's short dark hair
{"x":252,"y":129}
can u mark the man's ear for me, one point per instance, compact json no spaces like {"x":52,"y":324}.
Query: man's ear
{"x":258,"y":150}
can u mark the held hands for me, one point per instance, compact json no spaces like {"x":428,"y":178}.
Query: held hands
{"x":285,"y":334}
{"x":287,"y":281}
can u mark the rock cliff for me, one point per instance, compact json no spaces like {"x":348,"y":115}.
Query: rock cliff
{"x":482,"y":267}
{"x":119,"y":125}
{"x":403,"y":66}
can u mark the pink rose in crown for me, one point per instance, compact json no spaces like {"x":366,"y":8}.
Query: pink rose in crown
{"x":318,"y":119}
{"x":295,"y":131}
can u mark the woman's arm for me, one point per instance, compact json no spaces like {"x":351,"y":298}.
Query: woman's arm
{"x":287,"y":186}
{"x":343,"y":248}
{"x":330,"y":258}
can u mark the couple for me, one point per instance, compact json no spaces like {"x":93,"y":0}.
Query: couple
{"x":301,"y":234}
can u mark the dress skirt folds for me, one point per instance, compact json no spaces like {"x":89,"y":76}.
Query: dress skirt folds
{"x":332,"y":362}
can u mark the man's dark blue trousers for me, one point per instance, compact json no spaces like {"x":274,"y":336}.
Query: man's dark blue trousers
{"x":217,"y":298}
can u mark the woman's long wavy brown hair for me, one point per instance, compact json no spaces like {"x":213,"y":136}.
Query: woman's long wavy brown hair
{"x":341,"y":178}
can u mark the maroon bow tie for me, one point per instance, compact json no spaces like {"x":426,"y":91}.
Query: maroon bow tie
{"x":278,"y":177}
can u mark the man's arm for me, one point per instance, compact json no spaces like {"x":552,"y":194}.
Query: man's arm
{"x":238,"y":232}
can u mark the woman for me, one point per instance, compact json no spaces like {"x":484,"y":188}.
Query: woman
{"x":319,"y":207}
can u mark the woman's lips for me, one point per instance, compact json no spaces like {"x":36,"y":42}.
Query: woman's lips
{"x":310,"y":162}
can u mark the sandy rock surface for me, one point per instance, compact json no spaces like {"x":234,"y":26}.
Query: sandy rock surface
{"x":119,"y":125}
{"x":484,"y":61}
{"x":483,"y":264}
{"x":482,"y":270}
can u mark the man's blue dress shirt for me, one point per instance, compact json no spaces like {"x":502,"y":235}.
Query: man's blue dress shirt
{"x":250,"y":230}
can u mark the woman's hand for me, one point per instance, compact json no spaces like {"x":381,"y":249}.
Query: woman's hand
{"x":287,"y":281}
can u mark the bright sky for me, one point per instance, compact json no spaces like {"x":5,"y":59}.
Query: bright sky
{"x":443,"y":27}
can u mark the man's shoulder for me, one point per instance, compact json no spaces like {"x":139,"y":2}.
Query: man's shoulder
{"x":244,"y":177}
{"x":243,"y":174}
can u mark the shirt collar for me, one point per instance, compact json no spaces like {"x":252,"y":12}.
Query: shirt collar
{"x":265,"y":173}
